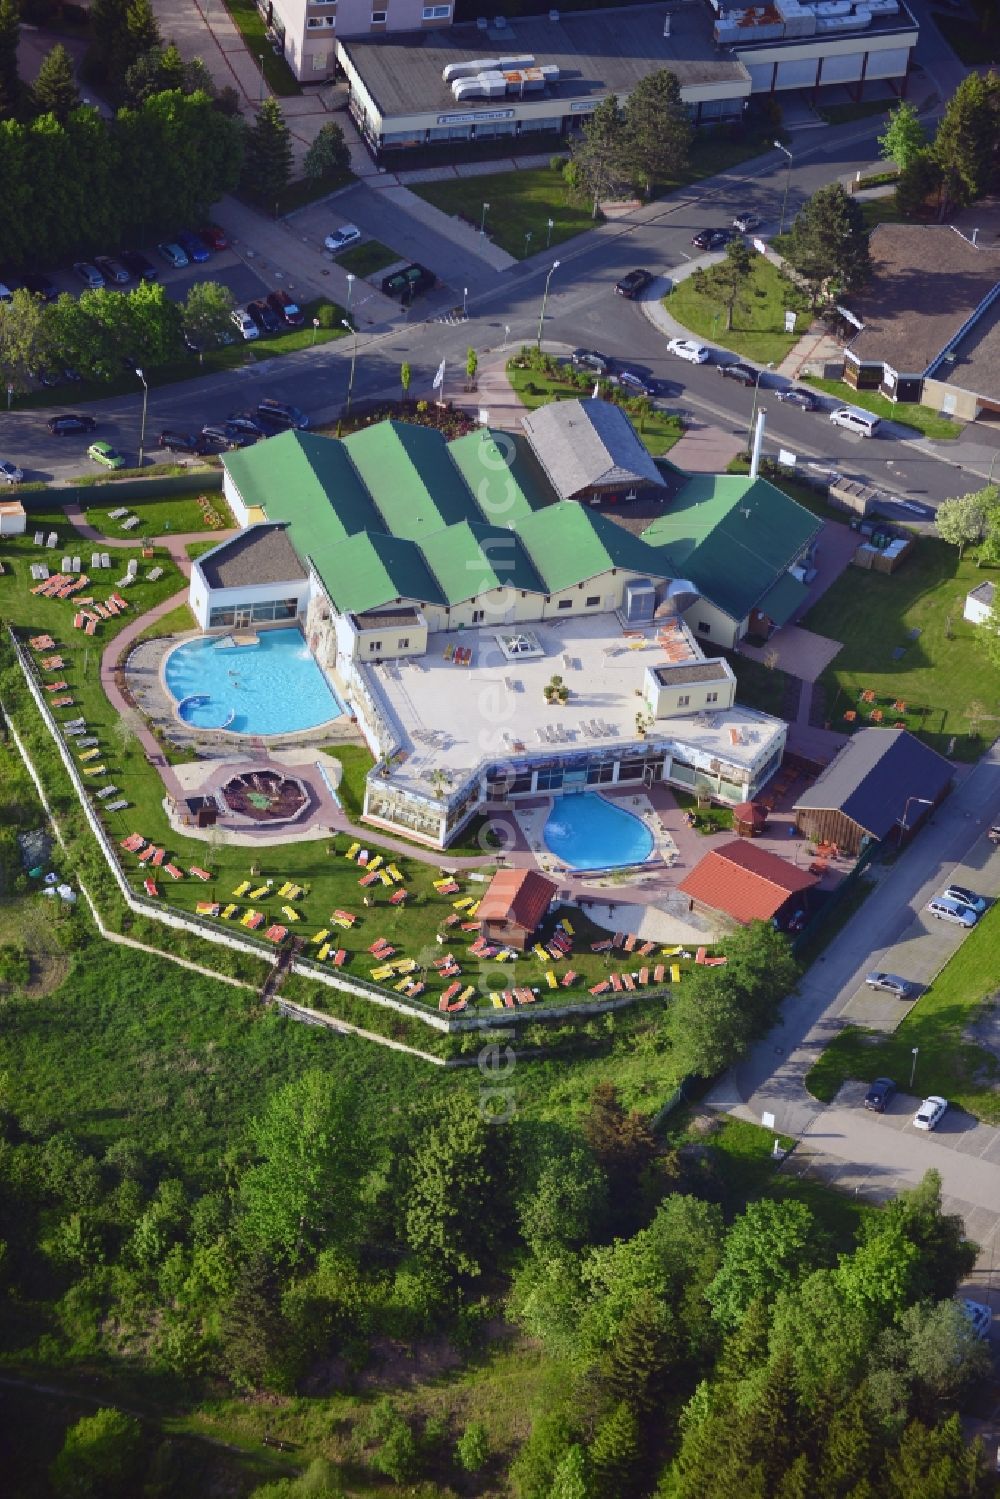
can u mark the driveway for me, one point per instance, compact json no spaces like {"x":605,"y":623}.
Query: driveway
{"x":801,"y":653}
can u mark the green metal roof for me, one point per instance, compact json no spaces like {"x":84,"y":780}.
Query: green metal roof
{"x":502,"y":473}
{"x":781,"y":601}
{"x":468,"y":560}
{"x":733,"y":537}
{"x":367,"y":571}
{"x":407,"y":468}
{"x":569,"y":543}
{"x":307,"y":481}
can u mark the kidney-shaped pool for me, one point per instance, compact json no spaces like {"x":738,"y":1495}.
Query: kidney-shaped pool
{"x":271,"y":687}
{"x":586,"y":831}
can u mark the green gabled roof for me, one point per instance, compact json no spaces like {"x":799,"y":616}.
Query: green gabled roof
{"x":781,"y":601}
{"x":408,"y":468}
{"x":470,"y":559}
{"x":307,"y":481}
{"x":503,"y":474}
{"x":367,"y":571}
{"x":569,"y":543}
{"x":733,"y":537}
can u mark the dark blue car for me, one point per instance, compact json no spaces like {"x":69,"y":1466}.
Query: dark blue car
{"x":194,"y":247}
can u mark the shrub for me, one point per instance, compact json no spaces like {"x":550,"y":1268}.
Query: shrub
{"x":327,"y":315}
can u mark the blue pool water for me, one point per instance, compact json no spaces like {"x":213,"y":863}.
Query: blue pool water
{"x":587,"y":832}
{"x":273,"y":687}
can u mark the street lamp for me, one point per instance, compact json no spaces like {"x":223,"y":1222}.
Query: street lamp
{"x":465,"y":301}
{"x":548,"y":241}
{"x":756,"y":389}
{"x":902,"y":821}
{"x":142,"y":429}
{"x":545,"y":298}
{"x":527,"y":241}
{"x":788,"y":183}
{"x":913,"y":1067}
{"x":482,"y":221}
{"x":354,"y":355}
{"x":350,"y":291}
{"x":315,"y":330}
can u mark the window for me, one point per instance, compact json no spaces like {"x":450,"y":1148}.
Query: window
{"x":593,"y":601}
{"x":478,"y":615}
{"x":378,"y":17}
{"x":315,"y":23}
{"x":403,"y":645}
{"x":711,"y":697}
{"x":703,"y":628}
{"x":565,"y":604}
{"x":374,"y":645}
{"x":436,"y":12}
{"x":683,"y":700}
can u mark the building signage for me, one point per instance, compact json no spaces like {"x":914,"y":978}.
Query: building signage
{"x":478,"y":116}
{"x":582,"y":106}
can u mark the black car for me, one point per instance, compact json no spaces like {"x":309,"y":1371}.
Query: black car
{"x":634,"y":284}
{"x":635,"y":384}
{"x":711,"y":239}
{"x":245,"y":421}
{"x":804,"y":399}
{"x":138,"y":266}
{"x":287,"y":309}
{"x":281,"y":415}
{"x":408,"y":283}
{"x":879,"y":1094}
{"x":111,"y":269}
{"x":741,"y":372}
{"x":182,"y":442}
{"x":226,"y":436}
{"x":62,"y":426}
{"x":39,"y":286}
{"x":587,"y":359}
{"x":265,"y":317}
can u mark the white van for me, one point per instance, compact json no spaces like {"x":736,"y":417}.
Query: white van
{"x":864,"y":423}
{"x":946,"y":909}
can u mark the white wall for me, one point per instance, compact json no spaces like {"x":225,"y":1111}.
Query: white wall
{"x":975,"y":610}
{"x":235,"y":500}
{"x":722,"y":629}
{"x":13,"y":523}
{"x":204,"y":599}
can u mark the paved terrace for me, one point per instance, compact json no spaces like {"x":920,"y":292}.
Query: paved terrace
{"x":450,"y":717}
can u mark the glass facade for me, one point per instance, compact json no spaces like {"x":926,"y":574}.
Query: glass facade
{"x":253,"y":614}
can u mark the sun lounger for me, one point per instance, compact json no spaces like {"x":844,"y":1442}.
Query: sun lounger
{"x":117,"y":514}
{"x":261,"y":892}
{"x":324,"y":950}
{"x":159,"y":857}
{"x":91,"y":625}
{"x":701,"y":955}
{"x":352,"y":852}
{"x":363,"y":857}
{"x":368,"y":879}
{"x":147,"y":853}
{"x":344,"y":917}
{"x":340,"y":957}
{"x":320,"y":936}
{"x":200,"y":874}
{"x":105,"y":792}
{"x":228,"y":911}
{"x":62,"y":702}
{"x":95,"y":770}
{"x":643,"y":977}
{"x":714,"y":962}
{"x":628,"y":981}
{"x":133,"y":843}
{"x":659,"y":974}
{"x":87,"y":742}
{"x":393,"y":872}
{"x":207,"y":907}
{"x":383,"y":971}
{"x":616,"y":982}
{"x":568,"y":978}
{"x":601,"y":988}
{"x":56,"y":686}
{"x":119,"y":806}
{"x":630,"y":942}
{"x":551,"y":979}
{"x":540,"y":952}
{"x":150,"y":888}
{"x":252,"y":919}
{"x":496,"y":1001}
{"x":174,"y":871}
{"x":285,"y":890}
{"x":672,"y":952}
{"x":604,"y":946}
{"x":90,"y":754}
{"x":291,"y":913}
{"x":41,"y":642}
{"x":241,"y":889}
{"x":675,"y":973}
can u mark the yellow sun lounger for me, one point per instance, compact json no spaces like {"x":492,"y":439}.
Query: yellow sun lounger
{"x":403,"y":984}
{"x":352,"y":852}
{"x":378,"y":974}
{"x":90,"y":754}
{"x":473,"y":908}
{"x":551,"y":980}
{"x":324,"y":950}
{"x":675,"y":973}
{"x":228,"y":911}
{"x":321,"y":936}
{"x":466,"y":994}
{"x":496,"y":1001}
{"x":291,"y":913}
{"x":441,"y":884}
{"x":671,"y":952}
{"x":260,"y":892}
{"x":374,"y":863}
{"x":540,"y":952}
{"x":286,"y":890}
{"x":393,"y":872}
{"x":405,"y":965}
{"x":462,"y":902}
{"x":241,"y":889}
{"x":95,"y":770}
{"x":567,"y":926}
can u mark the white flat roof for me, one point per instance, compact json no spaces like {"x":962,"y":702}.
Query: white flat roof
{"x":452,"y":718}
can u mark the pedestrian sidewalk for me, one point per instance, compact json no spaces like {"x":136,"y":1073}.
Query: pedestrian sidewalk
{"x":450,"y":228}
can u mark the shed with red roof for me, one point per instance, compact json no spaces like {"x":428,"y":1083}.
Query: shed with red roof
{"x":747,"y":883}
{"x":513,"y":907}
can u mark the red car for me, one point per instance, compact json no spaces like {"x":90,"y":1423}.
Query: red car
{"x":213,"y":237}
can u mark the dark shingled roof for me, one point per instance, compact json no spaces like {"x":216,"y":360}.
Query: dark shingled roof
{"x":871,"y":779}
{"x":261,"y":554}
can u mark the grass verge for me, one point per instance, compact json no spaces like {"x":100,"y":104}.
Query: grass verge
{"x":659,"y":431}
{"x":366,"y":259}
{"x":250,"y":24}
{"x":951,"y":1062}
{"x":965,"y":38}
{"x":921,"y":418}
{"x":758,"y":330}
{"x":177,"y":513}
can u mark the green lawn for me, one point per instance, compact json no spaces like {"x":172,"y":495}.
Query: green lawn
{"x":759,"y":687}
{"x":864,"y":109}
{"x":881,"y":211}
{"x":949,"y":1062}
{"x":190,"y":367}
{"x":938,"y":674}
{"x":707,"y":819}
{"x":758,"y":324}
{"x":305,"y":190}
{"x":659,"y":431}
{"x":520,"y":203}
{"x":366,"y":259}
{"x":250,"y":22}
{"x":965,"y":38}
{"x":178,"y":513}
{"x":930,"y":423}
{"x":176,"y":622}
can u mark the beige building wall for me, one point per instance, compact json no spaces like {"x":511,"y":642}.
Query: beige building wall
{"x":963,"y":405}
{"x":508,"y":606}
{"x":722,"y":630}
{"x":683,"y":698}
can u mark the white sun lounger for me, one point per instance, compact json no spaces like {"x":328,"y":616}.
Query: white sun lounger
{"x":66,"y":565}
{"x":117,"y":514}
{"x":117,"y":806}
{"x":105,"y":792}
{"x":76,"y":565}
{"x":105,"y":559}
{"x":39,"y":538}
{"x":53,"y":541}
{"x":95,"y":561}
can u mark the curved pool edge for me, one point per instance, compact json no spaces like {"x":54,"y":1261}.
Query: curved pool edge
{"x":597,"y":868}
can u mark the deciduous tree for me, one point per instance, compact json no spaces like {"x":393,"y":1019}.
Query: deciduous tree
{"x":205,"y":313}
{"x":726,"y":281}
{"x":657,"y":130}
{"x":10,"y":79}
{"x":905,"y":136}
{"x":457,"y":1189}
{"x":961,"y":521}
{"x":770,"y":1247}
{"x":100,"y":1457}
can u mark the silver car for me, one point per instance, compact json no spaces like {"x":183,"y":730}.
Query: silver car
{"x":891,"y":983}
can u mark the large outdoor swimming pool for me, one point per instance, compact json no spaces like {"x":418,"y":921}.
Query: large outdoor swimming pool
{"x":273,"y":687}
{"x":587,"y":832}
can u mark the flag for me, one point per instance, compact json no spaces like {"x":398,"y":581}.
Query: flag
{"x":438,"y":380}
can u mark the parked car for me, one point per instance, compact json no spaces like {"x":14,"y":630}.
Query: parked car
{"x":242,"y":320}
{"x":993,"y":832}
{"x":88,"y":274}
{"x":804,"y":399}
{"x":587,"y":359}
{"x":891,"y":983}
{"x":281,"y":415}
{"x":879,"y":1094}
{"x":930,"y":1113}
{"x":61,"y":426}
{"x":689,"y":349}
{"x":954,"y":911}
{"x":141,"y":268}
{"x":634,"y":284}
{"x":634,"y":383}
{"x":9,"y":472}
{"x":225,"y":436}
{"x":966,"y":897}
{"x":173,"y":254}
{"x":182,"y":442}
{"x":245,"y":421}
{"x":286,"y":308}
{"x":747,"y":222}
{"x":711,"y":239}
{"x":265,"y":317}
{"x":194,"y":247}
{"x":6,"y":295}
{"x":412,"y":281}
{"x":39,"y":286}
{"x":346,"y":235}
{"x":104,"y":454}
{"x":979,"y":1314}
{"x":862,"y":423}
{"x":214,"y":237}
{"x":111,"y":269}
{"x":739,"y":372}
